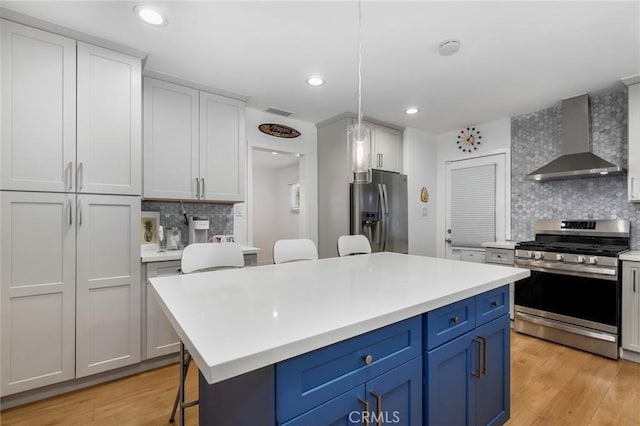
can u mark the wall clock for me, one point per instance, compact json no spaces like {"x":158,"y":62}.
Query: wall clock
{"x":469,"y":139}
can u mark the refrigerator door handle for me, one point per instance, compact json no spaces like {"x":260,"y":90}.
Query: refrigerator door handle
{"x":385,"y":215}
{"x":382,"y":220}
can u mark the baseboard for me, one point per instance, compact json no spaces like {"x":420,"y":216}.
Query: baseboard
{"x":630,"y":355}
{"x":33,"y":395}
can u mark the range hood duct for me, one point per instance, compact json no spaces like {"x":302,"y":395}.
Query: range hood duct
{"x":576,"y":160}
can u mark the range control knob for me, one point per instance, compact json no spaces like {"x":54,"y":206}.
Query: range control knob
{"x":538,"y":255}
{"x":530,"y":254}
{"x":593,"y":260}
{"x":560,"y":257}
{"x":581,"y":259}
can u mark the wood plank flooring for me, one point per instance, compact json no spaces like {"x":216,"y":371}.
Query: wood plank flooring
{"x":550,"y":385}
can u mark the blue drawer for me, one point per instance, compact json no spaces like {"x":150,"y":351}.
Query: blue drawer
{"x":449,"y":322}
{"x":492,"y":304}
{"x":308,"y":380}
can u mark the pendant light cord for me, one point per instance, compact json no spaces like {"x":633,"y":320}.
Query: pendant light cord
{"x":359,"y":67}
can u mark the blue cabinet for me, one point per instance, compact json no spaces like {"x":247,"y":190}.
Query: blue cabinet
{"x":467,"y":378}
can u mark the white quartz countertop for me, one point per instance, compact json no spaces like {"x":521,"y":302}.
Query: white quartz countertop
{"x":161,"y":256}
{"x":633,"y":255}
{"x":509,"y":245}
{"x":235,"y":321}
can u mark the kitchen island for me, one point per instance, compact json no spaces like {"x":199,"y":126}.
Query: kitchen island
{"x":251,"y":330}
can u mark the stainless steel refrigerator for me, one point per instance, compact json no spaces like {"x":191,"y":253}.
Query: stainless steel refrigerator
{"x":379,"y":211}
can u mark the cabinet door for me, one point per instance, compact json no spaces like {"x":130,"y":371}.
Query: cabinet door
{"x":492,"y":389}
{"x":387,"y":149}
{"x":631,"y":306}
{"x":396,"y":397}
{"x":161,"y":337}
{"x":109,"y":146}
{"x":171,"y":135}
{"x":38,"y":109}
{"x":38,"y":290}
{"x":634,"y":143}
{"x":449,"y":398}
{"x":346,"y":409}
{"x":108,"y":283}
{"x":222,"y":148}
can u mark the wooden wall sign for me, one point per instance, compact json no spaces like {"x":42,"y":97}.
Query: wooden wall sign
{"x":279,"y":130}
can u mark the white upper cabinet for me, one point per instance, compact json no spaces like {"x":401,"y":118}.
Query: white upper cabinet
{"x":387,"y":148}
{"x":38,"y":110}
{"x":634,"y":142}
{"x":109,"y":122}
{"x":108,"y":283}
{"x":222,"y":153}
{"x":37,"y":311}
{"x":171,"y":140}
{"x":194,"y":144}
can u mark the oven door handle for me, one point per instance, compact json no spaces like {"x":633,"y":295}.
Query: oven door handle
{"x":561,"y":326}
{"x":569,"y":269}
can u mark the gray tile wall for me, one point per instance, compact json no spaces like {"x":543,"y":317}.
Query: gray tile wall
{"x":220,"y":216}
{"x":536,"y":139}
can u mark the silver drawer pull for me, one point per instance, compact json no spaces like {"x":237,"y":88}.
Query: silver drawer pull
{"x":455,"y":320}
{"x":368,"y":359}
{"x":494,"y":304}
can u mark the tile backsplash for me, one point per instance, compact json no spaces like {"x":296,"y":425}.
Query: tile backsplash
{"x":536,"y":139}
{"x":220,"y":216}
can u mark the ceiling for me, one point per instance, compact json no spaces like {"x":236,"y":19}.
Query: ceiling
{"x":267,"y":160}
{"x":515,"y":57}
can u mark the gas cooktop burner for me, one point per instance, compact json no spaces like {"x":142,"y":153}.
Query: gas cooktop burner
{"x":573,"y":247}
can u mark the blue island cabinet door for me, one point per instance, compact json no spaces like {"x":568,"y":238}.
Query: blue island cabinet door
{"x":493,"y":388}
{"x":396,"y":396}
{"x":345,"y":410}
{"x":449,"y":370}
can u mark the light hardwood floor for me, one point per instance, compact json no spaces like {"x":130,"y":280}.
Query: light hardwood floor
{"x":550,"y":385}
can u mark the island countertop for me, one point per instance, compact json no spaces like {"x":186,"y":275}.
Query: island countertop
{"x":236,"y":321}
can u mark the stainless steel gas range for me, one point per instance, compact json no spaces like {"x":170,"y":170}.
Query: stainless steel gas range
{"x":573,"y":294}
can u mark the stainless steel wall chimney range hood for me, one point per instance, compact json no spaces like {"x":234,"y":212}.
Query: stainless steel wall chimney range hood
{"x":576,"y":160}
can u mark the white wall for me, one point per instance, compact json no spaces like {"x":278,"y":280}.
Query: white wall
{"x":306,"y":145}
{"x":287,"y":221}
{"x":420,"y":166}
{"x":496,"y":137}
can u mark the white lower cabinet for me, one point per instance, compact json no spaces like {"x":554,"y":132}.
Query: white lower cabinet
{"x":38,"y":290}
{"x":161,"y":338}
{"x":108,"y":286}
{"x":70,"y":291}
{"x":631,"y":306}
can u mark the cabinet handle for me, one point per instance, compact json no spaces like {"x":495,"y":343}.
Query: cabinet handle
{"x":378,"y":407}
{"x":381,"y":160}
{"x":483,"y":372}
{"x":79,"y":207}
{"x":202,"y":193}
{"x":368,"y":359}
{"x":198,"y":188}
{"x":69,"y":176}
{"x":478,"y":371}
{"x":494,"y":304}
{"x":70,"y":217}
{"x":365,"y":417}
{"x":635,"y":280}
{"x":455,"y":320}
{"x":80,"y":175}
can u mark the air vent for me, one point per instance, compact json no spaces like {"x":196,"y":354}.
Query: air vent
{"x":277,"y":111}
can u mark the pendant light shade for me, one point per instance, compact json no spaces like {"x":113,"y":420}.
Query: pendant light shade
{"x":358,"y":135}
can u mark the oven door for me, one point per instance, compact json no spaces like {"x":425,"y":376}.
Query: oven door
{"x":582,"y":312}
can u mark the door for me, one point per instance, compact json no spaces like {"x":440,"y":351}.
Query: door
{"x":367,"y":211}
{"x":38,"y":290}
{"x":171,"y":140}
{"x":38,"y":110}
{"x":395,"y":193}
{"x":161,"y":337}
{"x":109,"y":124}
{"x":631,"y":306}
{"x":450,"y":398}
{"x":396,"y":396}
{"x":222,"y":148}
{"x":493,"y":387}
{"x":108,"y":283}
{"x":476,"y":203}
{"x":347,"y":409}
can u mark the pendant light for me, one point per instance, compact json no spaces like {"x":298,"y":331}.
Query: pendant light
{"x":358,"y":135}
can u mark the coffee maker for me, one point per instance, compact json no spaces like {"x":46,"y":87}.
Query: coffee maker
{"x":198,"y":228}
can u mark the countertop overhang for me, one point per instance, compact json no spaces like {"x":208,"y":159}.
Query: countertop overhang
{"x":236,"y":321}
{"x":162,"y":256}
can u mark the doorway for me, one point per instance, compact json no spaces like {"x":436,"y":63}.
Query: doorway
{"x":276,"y":200}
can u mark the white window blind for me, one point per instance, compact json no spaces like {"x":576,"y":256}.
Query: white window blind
{"x":473,"y":206}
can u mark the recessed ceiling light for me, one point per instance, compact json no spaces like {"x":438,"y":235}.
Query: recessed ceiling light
{"x":150,"y":15}
{"x":315,"y":81}
{"x":274,"y":153}
{"x":449,"y":46}
{"x":411,"y":110}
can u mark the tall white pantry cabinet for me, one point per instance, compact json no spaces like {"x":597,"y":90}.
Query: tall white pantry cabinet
{"x":70,"y":176}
